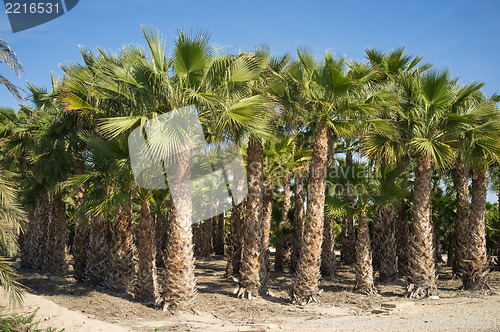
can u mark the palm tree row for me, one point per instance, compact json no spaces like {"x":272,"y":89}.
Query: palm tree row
{"x":293,"y":119}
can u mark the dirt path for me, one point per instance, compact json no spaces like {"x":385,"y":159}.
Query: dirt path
{"x":80,"y":307}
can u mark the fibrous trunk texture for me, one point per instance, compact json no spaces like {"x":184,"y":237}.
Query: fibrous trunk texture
{"x":236,"y":239}
{"x":305,"y":287}
{"x":81,"y":238}
{"x":40,"y":232}
{"x":253,"y":230}
{"x":28,"y":241}
{"x":179,"y":289}
{"x":402,"y":238}
{"x":421,"y":273}
{"x":197,"y":239}
{"x":475,"y":265}
{"x":461,"y":184}
{"x":206,"y":238}
{"x":298,"y":219}
{"x":378,"y":233}
{"x":348,"y":245}
{"x":146,"y":285}
{"x":97,"y":264}
{"x":364,"y":268}
{"x":451,"y":252}
{"x":122,"y":247}
{"x":388,"y":259}
{"x":58,"y":237}
{"x":220,"y":235}
{"x":161,"y":225}
{"x":283,"y":246}
{"x":267,"y":209}
{"x":328,"y":248}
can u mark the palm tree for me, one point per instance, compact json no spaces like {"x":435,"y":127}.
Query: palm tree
{"x":254,"y":265}
{"x":390,"y":250}
{"x":51,"y":151}
{"x":427,"y":98}
{"x":142,"y":90}
{"x":461,"y":108}
{"x":333,"y":95}
{"x":483,"y":150}
{"x":253,"y":222}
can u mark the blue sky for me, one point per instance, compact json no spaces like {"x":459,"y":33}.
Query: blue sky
{"x":459,"y":35}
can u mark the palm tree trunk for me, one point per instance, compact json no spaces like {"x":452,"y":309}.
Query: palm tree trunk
{"x":461,"y":184}
{"x":421,"y":273}
{"x":161,"y":225}
{"x":81,"y":238}
{"x":388,"y":253}
{"x":197,"y":242}
{"x":298,"y":219}
{"x":97,"y":263}
{"x":267,"y":209}
{"x":348,"y":243}
{"x":41,"y":232}
{"x":146,"y":286}
{"x":252,"y":223}
{"x":236,"y":240}
{"x":364,"y":268}
{"x":475,"y":265}
{"x":305,"y":285}
{"x":328,"y":249}
{"x":206,"y":238}
{"x":378,"y":233}
{"x":220,"y":235}
{"x":180,"y":283}
{"x":282,"y":247}
{"x":451,"y":252}
{"x":402,"y":238}
{"x":121,"y":249}
{"x":58,"y":237}
{"x":27,"y":243}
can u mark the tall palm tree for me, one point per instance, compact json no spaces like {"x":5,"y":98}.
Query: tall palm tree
{"x":392,"y":65}
{"x":334,"y":96}
{"x":51,"y":151}
{"x":427,"y":98}
{"x":462,"y":135}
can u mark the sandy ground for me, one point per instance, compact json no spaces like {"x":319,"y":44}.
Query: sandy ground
{"x":80,"y":307}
